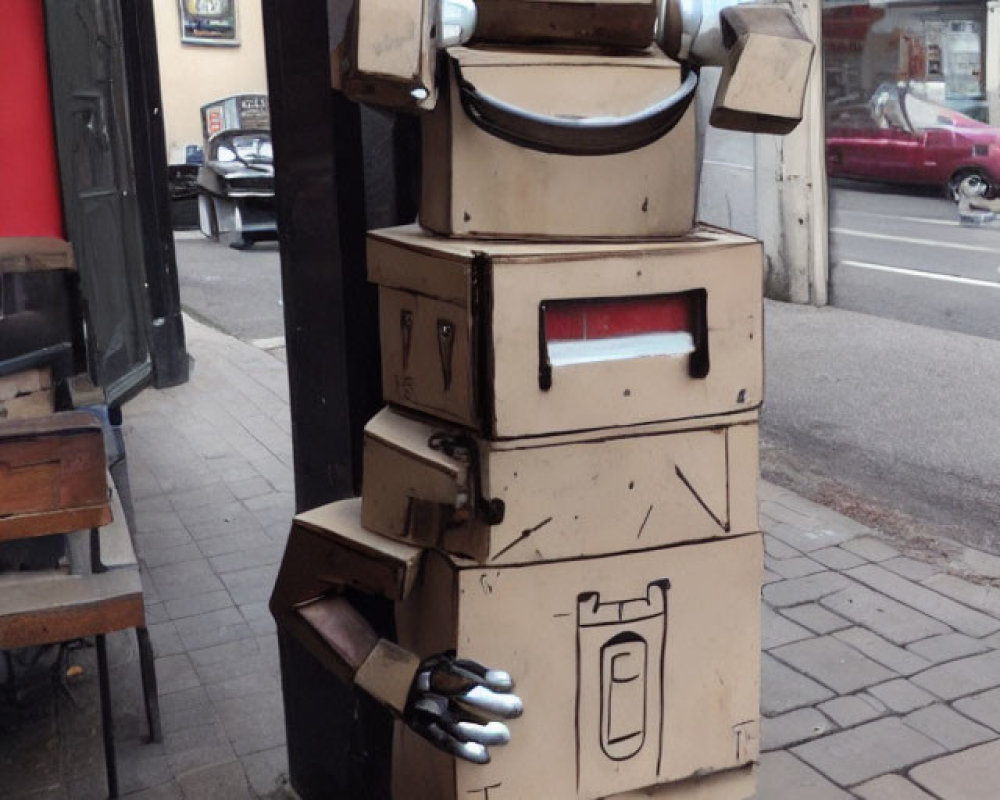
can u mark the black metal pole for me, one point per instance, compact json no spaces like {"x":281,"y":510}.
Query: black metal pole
{"x":165,"y":328}
{"x":339,"y":169}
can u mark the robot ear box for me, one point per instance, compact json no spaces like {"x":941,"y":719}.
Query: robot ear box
{"x":505,"y":338}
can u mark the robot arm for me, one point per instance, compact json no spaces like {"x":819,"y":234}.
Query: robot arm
{"x":456,"y":704}
{"x":764,"y":52}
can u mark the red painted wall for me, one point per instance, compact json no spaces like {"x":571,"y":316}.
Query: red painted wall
{"x":29,"y":176}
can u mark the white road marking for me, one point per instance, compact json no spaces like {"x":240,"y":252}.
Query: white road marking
{"x":952,"y":223}
{"x":911,"y":240}
{"x":269,"y":344}
{"x":916,"y":273}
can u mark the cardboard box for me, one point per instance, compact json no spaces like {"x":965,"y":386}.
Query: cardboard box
{"x":763,"y":84}
{"x":735,"y":784}
{"x":625,"y":23}
{"x":636,"y":670}
{"x":53,"y":476}
{"x":476,"y":184}
{"x":542,"y":499}
{"x":494,"y":336}
{"x":389,"y":54}
{"x":27,"y":394}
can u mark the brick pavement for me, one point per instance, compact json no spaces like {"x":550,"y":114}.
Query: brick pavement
{"x":881,"y":666}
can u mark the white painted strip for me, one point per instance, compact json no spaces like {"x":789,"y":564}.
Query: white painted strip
{"x":951,"y":223}
{"x":269,"y":344}
{"x":189,"y":236}
{"x":916,"y":273}
{"x":910,"y":240}
{"x":617,"y":348}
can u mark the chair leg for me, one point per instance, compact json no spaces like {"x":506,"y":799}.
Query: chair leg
{"x":107,"y":724}
{"x":150,"y":695}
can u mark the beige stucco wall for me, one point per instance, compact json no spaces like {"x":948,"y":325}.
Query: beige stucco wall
{"x":192,"y":75}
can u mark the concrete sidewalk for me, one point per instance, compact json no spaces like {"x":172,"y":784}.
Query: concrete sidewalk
{"x":881,"y":666}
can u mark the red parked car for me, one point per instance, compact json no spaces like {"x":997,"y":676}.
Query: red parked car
{"x":899,"y":137}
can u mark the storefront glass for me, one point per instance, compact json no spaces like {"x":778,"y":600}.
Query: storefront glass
{"x":912,"y":122}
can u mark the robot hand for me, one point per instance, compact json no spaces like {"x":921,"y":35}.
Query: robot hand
{"x":457,"y":705}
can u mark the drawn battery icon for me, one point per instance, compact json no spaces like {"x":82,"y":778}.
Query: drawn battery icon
{"x":620,"y":677}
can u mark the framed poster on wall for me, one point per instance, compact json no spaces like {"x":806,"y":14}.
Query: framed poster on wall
{"x":209,"y":22}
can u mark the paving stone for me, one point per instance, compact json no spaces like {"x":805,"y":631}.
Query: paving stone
{"x":886,"y":654}
{"x":984,"y":708}
{"x":182,"y":607}
{"x":216,"y":782}
{"x":794,"y":567}
{"x":251,"y":585}
{"x":251,"y":487}
{"x":213,"y":494}
{"x":816,"y":618}
{"x":865,"y":752}
{"x":970,"y":775}
{"x":258,"y":617}
{"x":890,"y":787}
{"x":871,"y":548}
{"x":149,"y":522}
{"x":853,"y":709}
{"x":793,"y":728}
{"x":962,"y":618}
{"x":808,"y":540}
{"x":784,"y":689}
{"x":174,"y":673}
{"x":833,"y":663}
{"x":947,"y":647}
{"x":164,"y":638}
{"x":233,"y":542}
{"x":171,"y":555}
{"x":184,"y":580}
{"x":836,"y":558}
{"x":267,"y":771}
{"x":985,"y":598}
{"x":212,"y":628}
{"x":776,"y":548}
{"x":255,"y":723}
{"x":782,"y":510}
{"x":156,"y":613}
{"x":199,"y":746}
{"x":770,"y":577}
{"x":963,"y":677}
{"x":804,"y":590}
{"x":911,"y":568}
{"x":146,"y":543}
{"x":784,"y":777}
{"x":948,"y":728}
{"x":261,"y":681}
{"x":247,"y":557}
{"x":901,"y":696}
{"x":894,"y":621}
{"x":776,"y":630}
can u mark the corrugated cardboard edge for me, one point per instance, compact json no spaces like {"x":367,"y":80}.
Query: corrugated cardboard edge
{"x":35,"y":254}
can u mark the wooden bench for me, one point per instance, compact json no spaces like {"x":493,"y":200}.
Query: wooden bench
{"x":100,"y":590}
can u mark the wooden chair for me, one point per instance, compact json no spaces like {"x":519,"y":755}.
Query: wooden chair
{"x":53,"y":479}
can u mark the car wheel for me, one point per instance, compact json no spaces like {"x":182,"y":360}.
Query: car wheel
{"x":951,"y":188}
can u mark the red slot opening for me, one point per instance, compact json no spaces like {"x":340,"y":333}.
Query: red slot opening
{"x":577,"y":320}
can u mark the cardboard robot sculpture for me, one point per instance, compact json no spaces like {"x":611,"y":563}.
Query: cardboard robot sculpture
{"x":562,"y":489}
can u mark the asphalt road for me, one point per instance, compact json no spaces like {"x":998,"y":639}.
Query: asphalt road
{"x":895,"y":424}
{"x":892,"y":415}
{"x":903,"y":255}
{"x":237,"y":291}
